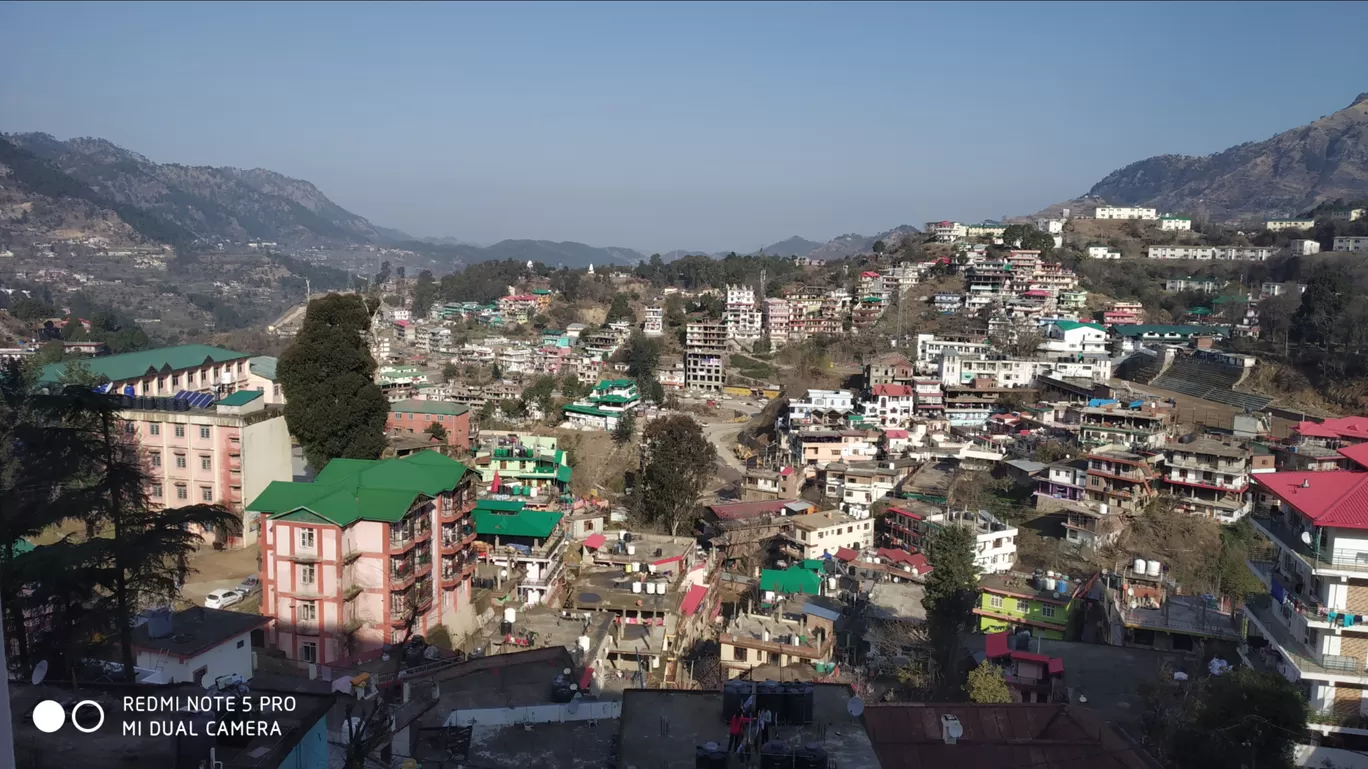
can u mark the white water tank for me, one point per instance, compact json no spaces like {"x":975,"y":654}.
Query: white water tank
{"x":510,"y":614}
{"x":583,"y":643}
{"x":650,"y":588}
{"x":1139,"y":565}
{"x":636,"y":587}
{"x":1049,"y":574}
{"x":661,"y":587}
{"x":1103,"y":509}
{"x":631,"y":549}
{"x":1050,"y":583}
{"x":832,"y":583}
{"x":1155,"y":569}
{"x":650,"y":567}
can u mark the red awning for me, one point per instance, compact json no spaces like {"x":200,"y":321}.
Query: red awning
{"x":995,"y":645}
{"x":586,"y":679}
{"x":846,"y":554}
{"x":1056,"y":666}
{"x":595,"y":541}
{"x":693,"y":600}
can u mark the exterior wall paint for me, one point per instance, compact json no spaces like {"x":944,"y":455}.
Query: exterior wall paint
{"x":232,"y":656}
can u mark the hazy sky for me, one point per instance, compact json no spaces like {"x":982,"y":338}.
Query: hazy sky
{"x":699,"y":126}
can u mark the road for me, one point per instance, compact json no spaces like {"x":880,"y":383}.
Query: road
{"x":723,"y":434}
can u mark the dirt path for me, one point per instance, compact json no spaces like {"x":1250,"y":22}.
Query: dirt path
{"x":217,"y":569}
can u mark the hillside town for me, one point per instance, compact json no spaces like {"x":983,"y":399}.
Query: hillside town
{"x":499,"y":562}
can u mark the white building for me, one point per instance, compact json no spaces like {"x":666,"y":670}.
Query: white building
{"x":930,"y":348}
{"x":743,"y":319}
{"x":1347,"y":214}
{"x":1125,"y":212}
{"x":1050,"y":226}
{"x":1351,"y":243}
{"x":1304,"y":247}
{"x":1103,"y":252}
{"x":1067,"y":336}
{"x":654,"y":325}
{"x":946,"y":232}
{"x":818,"y":534}
{"x":1175,"y":223}
{"x":800,"y":411}
{"x":778,"y":320}
{"x":1278,"y":225}
{"x":219,"y":644}
{"x":889,"y":405}
{"x":1210,"y":253}
{"x":995,"y":542}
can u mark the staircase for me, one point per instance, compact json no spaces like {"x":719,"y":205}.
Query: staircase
{"x":1211,"y":382}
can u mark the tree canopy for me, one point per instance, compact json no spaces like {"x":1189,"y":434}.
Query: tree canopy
{"x":333,"y":406}
{"x":987,"y":686}
{"x":678,"y":462}
{"x":1240,"y":719}
{"x":950,"y":596}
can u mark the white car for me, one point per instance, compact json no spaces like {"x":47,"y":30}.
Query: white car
{"x":222,"y":599}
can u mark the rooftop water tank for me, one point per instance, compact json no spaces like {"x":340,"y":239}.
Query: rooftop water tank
{"x":510,"y":615}
{"x":1155,"y":569}
{"x":583,"y":643}
{"x":1062,"y":586}
{"x":734,"y":694}
{"x":710,"y":756}
{"x":631,"y":550}
{"x":1050,"y":583}
{"x":1139,"y":566}
{"x":636,"y":587}
{"x":159,"y":623}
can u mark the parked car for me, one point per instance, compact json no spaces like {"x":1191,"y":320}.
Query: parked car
{"x":249,"y":585}
{"x":222,"y":599}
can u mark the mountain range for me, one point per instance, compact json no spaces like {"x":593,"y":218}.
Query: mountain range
{"x":1282,"y":176}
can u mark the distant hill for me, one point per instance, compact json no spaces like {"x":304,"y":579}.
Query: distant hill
{"x":208,"y":202}
{"x":794,"y":246}
{"x":1281,"y":176}
{"x":852,"y":243}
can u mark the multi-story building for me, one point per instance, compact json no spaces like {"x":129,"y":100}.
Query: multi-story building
{"x":417,"y":417}
{"x":984,"y":230}
{"x":1120,"y":480}
{"x":1061,"y":482}
{"x":1146,"y":426}
{"x":261,"y":376}
{"x":1175,"y":223}
{"x":946,"y":231}
{"x":1050,"y":226}
{"x":743,"y":319}
{"x":1202,"y":285}
{"x":928,"y":399}
{"x":165,"y":371}
{"x":1125,"y":212}
{"x":367,"y":554}
{"x":1304,"y":247}
{"x":814,"y":535}
{"x":605,"y":406}
{"x":1351,"y":243}
{"x":818,"y":448}
{"x":994,"y":541}
{"x":866,"y":313}
{"x":1124,"y":313}
{"x":705,"y":356}
{"x":873,"y":284}
{"x":889,"y":368}
{"x":1210,"y":478}
{"x":654,"y":325}
{"x":1018,"y":602}
{"x":670,"y":372}
{"x":819,"y":407}
{"x":1103,"y":252}
{"x":1210,"y":253}
{"x":1347,"y":214}
{"x":778,"y":320}
{"x":220,"y":453}
{"x":528,"y":543}
{"x":860,"y":484}
{"x":930,"y":348}
{"x":1316,"y":569}
{"x":890,"y":405}
{"x":1068,"y":337}
{"x":1278,"y":225}
{"x":526,"y":465}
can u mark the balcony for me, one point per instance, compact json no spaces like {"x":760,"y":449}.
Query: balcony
{"x":352,"y":625}
{"x":306,"y":627}
{"x":352,"y":592}
{"x":402,"y":577}
{"x":305,"y":590}
{"x":401,"y":541}
{"x":1290,"y":540}
{"x":300,"y":556}
{"x":350,"y":557}
{"x":1311,"y":664}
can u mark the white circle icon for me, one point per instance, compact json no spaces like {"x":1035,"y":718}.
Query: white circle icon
{"x":98,"y":709}
{"x":49,"y":716}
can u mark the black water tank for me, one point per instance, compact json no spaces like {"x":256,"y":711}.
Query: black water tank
{"x":770,"y":696}
{"x":734,"y":693}
{"x":710,"y":756}
{"x":562,"y":694}
{"x":776,"y":755}
{"x":806,"y":699}
{"x":810,"y":756}
{"x":505,"y":628}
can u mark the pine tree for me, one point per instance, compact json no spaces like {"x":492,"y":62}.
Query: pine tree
{"x":951,"y":593}
{"x":332,"y":404}
{"x":678,"y":461}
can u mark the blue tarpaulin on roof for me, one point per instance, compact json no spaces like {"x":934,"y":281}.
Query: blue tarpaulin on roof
{"x":1095,"y":402}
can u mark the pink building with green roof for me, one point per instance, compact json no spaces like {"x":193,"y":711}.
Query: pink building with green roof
{"x":367,"y":554}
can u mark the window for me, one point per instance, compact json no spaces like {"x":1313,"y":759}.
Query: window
{"x":307,"y":573}
{"x":205,"y":463}
{"x":204,"y":432}
{"x":306,"y":537}
{"x":1047,"y":610}
{"x":180,"y":461}
{"x":156,"y":491}
{"x":207,"y":493}
{"x":180,"y":431}
{"x":128,"y":428}
{"x":308,"y":611}
{"x":241,"y":643}
{"x":738,"y":654}
{"x":182,"y":492}
{"x":995,"y":601}
{"x":175,"y":382}
{"x":200,"y":674}
{"x":308,"y":652}
{"x":154,"y":429}
{"x":155,"y":458}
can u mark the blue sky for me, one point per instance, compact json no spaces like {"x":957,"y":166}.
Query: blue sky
{"x":699,"y":126}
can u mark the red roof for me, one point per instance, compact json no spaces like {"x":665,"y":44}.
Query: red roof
{"x":1336,"y":498}
{"x":995,"y":645}
{"x":869,"y":274}
{"x":913,"y":560}
{"x":693,"y":600}
{"x":893,"y":390}
{"x":896,"y":434}
{"x":595,"y":541}
{"x":1358,"y":454}
{"x":846,"y":554}
{"x":1340,"y":427}
{"x":902,"y":512}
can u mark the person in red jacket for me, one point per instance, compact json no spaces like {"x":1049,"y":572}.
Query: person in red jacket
{"x":738,"y":730}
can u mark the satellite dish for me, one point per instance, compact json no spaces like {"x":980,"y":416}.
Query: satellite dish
{"x":343,"y":685}
{"x":855,"y":707}
{"x":1306,"y":537}
{"x":39,"y":672}
{"x":565,"y":672}
{"x":1082,"y":700}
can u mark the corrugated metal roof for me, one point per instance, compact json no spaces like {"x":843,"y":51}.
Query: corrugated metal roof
{"x":1338,"y":498}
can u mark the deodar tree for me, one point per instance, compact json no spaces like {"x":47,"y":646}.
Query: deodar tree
{"x":677,"y":463}
{"x":951,"y":592}
{"x":332,"y":404}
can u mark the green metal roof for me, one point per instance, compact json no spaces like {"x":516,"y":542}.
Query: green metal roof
{"x":613,"y":384}
{"x":134,"y":365}
{"x":795,"y":579}
{"x":350,"y":490}
{"x":524,"y":523}
{"x":613,"y":399}
{"x":1070,"y":325}
{"x":573,"y":408}
{"x":264,"y":366}
{"x":1175,"y":218}
{"x":500,"y":505}
{"x":240,"y":398}
{"x":414,"y":406}
{"x":1140,"y":329}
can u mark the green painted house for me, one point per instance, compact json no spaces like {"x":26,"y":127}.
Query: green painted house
{"x":530,"y":466}
{"x":1013,"y":602}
